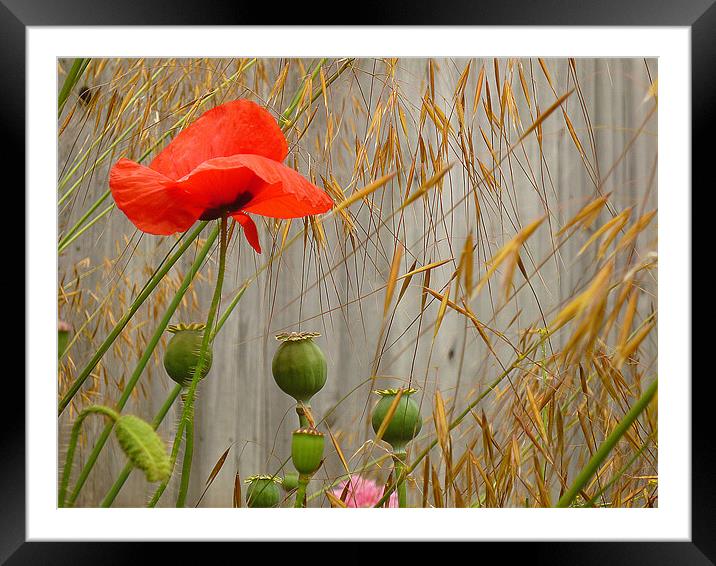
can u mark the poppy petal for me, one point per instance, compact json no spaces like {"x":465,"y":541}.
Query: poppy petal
{"x":250,"y":231}
{"x":236,"y":127}
{"x":150,"y":200}
{"x":252,"y":183}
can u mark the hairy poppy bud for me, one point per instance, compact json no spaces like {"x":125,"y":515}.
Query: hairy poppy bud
{"x":404,"y":425}
{"x":299,"y":367}
{"x":143,"y":446}
{"x":263,"y":491}
{"x":307,"y":450}
{"x":182,"y":353}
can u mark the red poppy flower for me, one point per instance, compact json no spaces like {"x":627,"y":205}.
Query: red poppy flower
{"x":227,"y":162}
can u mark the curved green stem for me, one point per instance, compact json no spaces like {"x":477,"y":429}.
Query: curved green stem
{"x":303,"y":480}
{"x":143,"y":361}
{"x":74,"y":436}
{"x":187,"y":419}
{"x":124,"y":475}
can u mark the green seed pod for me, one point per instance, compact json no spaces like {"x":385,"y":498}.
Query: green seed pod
{"x":263,"y":491}
{"x":182,"y":353}
{"x":299,"y":367}
{"x":405,"y":423}
{"x":290,"y":481}
{"x":307,"y":450}
{"x":143,"y":447}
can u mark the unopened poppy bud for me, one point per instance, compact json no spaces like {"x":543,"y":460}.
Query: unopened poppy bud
{"x":404,"y":425}
{"x":143,"y":446}
{"x":182,"y":353}
{"x":307,"y":450}
{"x":299,"y":366}
{"x":263,"y":491}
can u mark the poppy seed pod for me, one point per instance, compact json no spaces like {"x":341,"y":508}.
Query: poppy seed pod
{"x":299,"y":366}
{"x":307,"y":450}
{"x":290,"y":481}
{"x":182,"y":353}
{"x":405,"y":423}
{"x":263,"y":491}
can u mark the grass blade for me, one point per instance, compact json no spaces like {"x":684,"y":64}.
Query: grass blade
{"x":606,"y":447}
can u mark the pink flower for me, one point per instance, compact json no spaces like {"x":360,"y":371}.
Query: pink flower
{"x":363,"y":492}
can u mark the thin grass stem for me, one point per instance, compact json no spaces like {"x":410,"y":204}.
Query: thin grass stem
{"x":66,"y":242}
{"x":606,"y":447}
{"x":620,"y":473}
{"x":75,"y":73}
{"x":99,"y":160}
{"x":72,"y":231}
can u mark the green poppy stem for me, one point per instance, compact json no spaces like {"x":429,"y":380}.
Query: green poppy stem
{"x":400,"y":470}
{"x":124,"y":475}
{"x":302,"y":418}
{"x":74,"y":436}
{"x":172,"y":461}
{"x":186,"y":464}
{"x":187,"y":419}
{"x":303,"y":480}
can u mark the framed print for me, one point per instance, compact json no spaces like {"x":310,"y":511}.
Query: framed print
{"x":430,"y":271}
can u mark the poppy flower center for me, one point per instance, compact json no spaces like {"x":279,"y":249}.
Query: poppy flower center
{"x":225,"y":209}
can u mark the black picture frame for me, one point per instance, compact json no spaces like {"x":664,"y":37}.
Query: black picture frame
{"x":699,"y":15}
